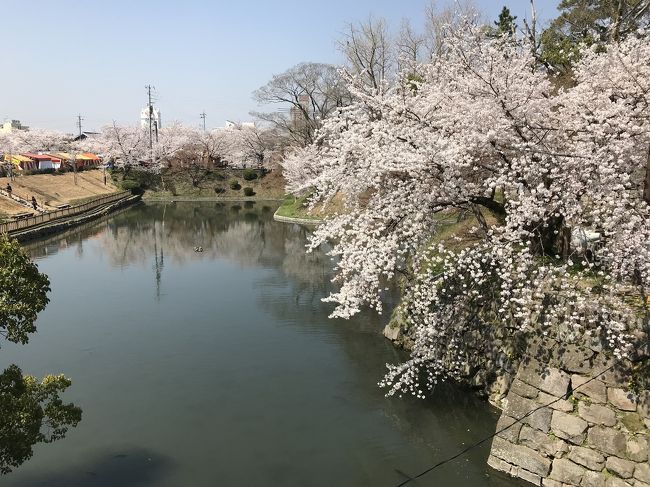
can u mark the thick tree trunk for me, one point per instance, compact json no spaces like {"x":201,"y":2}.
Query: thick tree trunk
{"x":553,"y":238}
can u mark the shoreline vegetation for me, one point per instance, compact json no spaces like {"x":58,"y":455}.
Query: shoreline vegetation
{"x":294,"y":210}
{"x":161,"y":198}
{"x":297,"y":209}
{"x":216,"y":184}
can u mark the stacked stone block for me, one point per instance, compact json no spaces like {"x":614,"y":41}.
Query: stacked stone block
{"x":588,"y":431}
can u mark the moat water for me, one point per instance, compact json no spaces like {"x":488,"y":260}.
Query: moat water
{"x":221,"y":367}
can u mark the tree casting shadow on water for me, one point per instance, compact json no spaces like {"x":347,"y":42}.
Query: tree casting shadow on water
{"x":131,"y":468}
{"x":31,"y":410}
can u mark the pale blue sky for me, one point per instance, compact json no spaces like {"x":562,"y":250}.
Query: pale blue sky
{"x":64,"y":57}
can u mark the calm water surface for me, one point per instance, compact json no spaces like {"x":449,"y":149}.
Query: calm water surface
{"x":221,"y":368}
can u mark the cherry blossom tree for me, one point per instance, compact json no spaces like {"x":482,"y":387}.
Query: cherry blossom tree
{"x":486,"y":133}
{"x":130,"y":146}
{"x":126,"y":146}
{"x":211,"y":146}
{"x":19,"y":141}
{"x":35,"y":140}
{"x":247,"y":146}
{"x":171,"y":140}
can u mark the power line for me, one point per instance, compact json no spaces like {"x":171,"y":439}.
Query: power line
{"x":480,"y":442}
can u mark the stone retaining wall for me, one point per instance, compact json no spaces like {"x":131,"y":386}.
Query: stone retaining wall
{"x":595,"y":432}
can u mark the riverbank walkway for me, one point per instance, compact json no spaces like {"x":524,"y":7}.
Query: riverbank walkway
{"x":38,"y":224}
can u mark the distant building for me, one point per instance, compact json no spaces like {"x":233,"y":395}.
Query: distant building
{"x":82,"y":160}
{"x":43,"y":161}
{"x":230,"y":124}
{"x":10,"y":126}
{"x":155,"y":118}
{"x":84,"y":135}
{"x":300,"y":113}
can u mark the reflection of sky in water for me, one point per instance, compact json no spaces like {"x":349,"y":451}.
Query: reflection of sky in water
{"x":221,"y":367}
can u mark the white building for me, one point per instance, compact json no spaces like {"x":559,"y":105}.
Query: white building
{"x":230,"y":124}
{"x":155,"y":119}
{"x":11,"y":125}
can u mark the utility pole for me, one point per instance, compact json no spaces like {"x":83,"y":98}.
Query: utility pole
{"x":79,"y":119}
{"x":203,"y":117}
{"x":150,"y":105}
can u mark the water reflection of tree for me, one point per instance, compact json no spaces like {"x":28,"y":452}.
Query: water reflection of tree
{"x":160,"y":236}
{"x":164,"y":233}
{"x":454,"y":416}
{"x":31,"y":411}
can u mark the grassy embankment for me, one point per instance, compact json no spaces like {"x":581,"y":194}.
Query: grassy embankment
{"x":456,"y":231}
{"x":217,"y":184}
{"x":52,"y":190}
{"x":298,"y":207}
{"x":9,"y":207}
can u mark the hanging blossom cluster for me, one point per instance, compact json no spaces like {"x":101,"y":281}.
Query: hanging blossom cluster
{"x":480,"y":131}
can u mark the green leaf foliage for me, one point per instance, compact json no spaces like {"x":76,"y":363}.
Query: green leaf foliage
{"x":589,"y":22}
{"x":23,"y":292}
{"x":32,"y":412}
{"x":506,"y":24}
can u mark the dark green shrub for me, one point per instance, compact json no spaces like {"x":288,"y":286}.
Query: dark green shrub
{"x":249,"y":191}
{"x":234,"y":184}
{"x":146,"y":179}
{"x":131,"y":185}
{"x":249,"y":175}
{"x":219,"y":190}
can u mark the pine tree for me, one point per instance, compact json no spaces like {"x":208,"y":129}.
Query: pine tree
{"x":505,"y":25}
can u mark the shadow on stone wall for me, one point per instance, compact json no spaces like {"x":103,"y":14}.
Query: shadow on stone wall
{"x":569,"y":419}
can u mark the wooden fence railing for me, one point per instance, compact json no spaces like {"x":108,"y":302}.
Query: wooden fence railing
{"x":12,"y":226}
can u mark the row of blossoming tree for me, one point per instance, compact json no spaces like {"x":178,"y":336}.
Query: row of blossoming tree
{"x":481,"y":129}
{"x":131,"y":146}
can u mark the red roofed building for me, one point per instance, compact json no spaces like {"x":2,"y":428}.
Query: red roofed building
{"x":43,"y":161}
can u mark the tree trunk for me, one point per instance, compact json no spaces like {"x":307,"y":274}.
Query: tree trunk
{"x":553,"y":238}
{"x":615,"y":28}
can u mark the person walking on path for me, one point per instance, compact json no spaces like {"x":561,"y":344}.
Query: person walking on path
{"x":8,"y":189}
{"x":34,"y":204}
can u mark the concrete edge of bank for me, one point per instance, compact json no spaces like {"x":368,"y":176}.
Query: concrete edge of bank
{"x":300,"y":221}
{"x":176,"y":199}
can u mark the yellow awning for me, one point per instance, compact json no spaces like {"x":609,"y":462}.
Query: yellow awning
{"x":16,"y":158}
